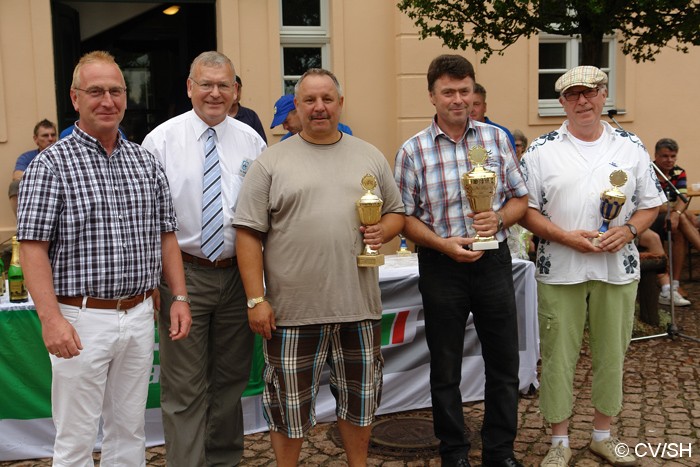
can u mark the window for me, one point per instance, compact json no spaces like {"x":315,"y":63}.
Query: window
{"x":560,"y":53}
{"x":304,"y":39}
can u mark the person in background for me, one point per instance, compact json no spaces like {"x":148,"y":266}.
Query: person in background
{"x":520,"y":241}
{"x":520,"y":143}
{"x":286,"y":115}
{"x":316,"y":305}
{"x":479,"y":111}
{"x":206,"y":155}
{"x":586,"y":281}
{"x":684,"y":227}
{"x":96,"y":224}
{"x":44,"y":136}
{"x":454,"y":280}
{"x":244,"y":114}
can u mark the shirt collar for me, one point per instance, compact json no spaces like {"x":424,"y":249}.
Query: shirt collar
{"x":436,"y":131}
{"x":607,"y":128}
{"x":93,"y":142}
{"x":200,"y":127}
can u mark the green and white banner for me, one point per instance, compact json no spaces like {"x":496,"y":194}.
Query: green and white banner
{"x":26,"y":429}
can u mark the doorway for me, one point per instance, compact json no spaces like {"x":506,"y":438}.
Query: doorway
{"x":153,"y":49}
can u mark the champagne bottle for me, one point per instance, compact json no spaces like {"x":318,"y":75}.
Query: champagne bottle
{"x":15,"y":277}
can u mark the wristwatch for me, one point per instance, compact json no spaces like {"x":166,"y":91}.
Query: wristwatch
{"x":500,"y":221}
{"x":181,"y":298}
{"x":254,"y":301}
{"x":633,"y":229}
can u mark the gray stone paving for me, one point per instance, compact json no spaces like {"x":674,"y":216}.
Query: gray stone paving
{"x":661,"y":406}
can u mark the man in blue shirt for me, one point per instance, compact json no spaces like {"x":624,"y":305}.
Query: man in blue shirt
{"x":286,"y":115}
{"x":44,"y":136}
{"x":478,"y":112}
{"x":244,"y":114}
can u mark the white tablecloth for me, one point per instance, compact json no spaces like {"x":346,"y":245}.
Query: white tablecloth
{"x":406,"y":383}
{"x":406,"y":357}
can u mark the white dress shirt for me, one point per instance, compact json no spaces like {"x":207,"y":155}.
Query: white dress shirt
{"x":179,"y":145}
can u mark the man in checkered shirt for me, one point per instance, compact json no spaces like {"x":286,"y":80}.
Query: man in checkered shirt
{"x":97,"y":229}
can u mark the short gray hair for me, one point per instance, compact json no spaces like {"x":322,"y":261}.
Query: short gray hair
{"x":318,"y":72}
{"x":211,"y":58}
{"x":519,"y":135}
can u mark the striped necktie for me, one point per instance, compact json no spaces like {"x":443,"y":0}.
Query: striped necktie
{"x":212,"y":211}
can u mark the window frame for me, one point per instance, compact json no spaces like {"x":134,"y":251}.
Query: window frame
{"x":305,"y":37}
{"x":552,"y":107}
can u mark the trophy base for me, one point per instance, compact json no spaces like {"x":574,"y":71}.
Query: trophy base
{"x":403,"y":252}
{"x":370,"y":261}
{"x":596,"y":241}
{"x":485,"y":245}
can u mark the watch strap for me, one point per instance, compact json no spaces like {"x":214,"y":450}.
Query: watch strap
{"x":181,"y":298}
{"x":254,"y":301}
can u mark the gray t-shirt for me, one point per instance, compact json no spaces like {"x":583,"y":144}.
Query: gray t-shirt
{"x":303,"y":197}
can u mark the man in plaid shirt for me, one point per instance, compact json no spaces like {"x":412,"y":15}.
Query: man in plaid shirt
{"x":97,"y":227}
{"x":454,"y":280}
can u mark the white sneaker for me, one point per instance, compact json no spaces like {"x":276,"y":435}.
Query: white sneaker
{"x":614,"y":452}
{"x":557,"y":456}
{"x":678,"y":300}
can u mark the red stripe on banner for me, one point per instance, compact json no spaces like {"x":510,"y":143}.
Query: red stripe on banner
{"x":397,"y":336}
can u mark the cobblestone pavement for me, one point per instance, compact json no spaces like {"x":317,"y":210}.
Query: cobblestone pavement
{"x":661,"y":406}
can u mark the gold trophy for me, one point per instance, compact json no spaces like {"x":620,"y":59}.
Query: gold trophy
{"x":480,"y":186}
{"x":611,"y":202}
{"x":369,"y":208}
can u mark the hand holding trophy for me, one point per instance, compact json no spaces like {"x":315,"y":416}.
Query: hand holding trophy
{"x":480,"y":186}
{"x":611,"y":202}
{"x":369,"y":209}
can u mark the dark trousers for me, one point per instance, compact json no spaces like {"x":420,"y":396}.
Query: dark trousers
{"x":450,"y":291}
{"x":203,"y":376}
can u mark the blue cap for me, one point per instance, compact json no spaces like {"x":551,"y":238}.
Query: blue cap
{"x":283,"y":106}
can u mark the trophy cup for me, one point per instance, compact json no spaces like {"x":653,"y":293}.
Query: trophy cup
{"x":480,"y":186}
{"x":369,"y":209}
{"x":611,"y":202}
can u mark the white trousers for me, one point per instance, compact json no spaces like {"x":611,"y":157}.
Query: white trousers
{"x":109,"y":378}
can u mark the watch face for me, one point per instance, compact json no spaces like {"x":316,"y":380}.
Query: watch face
{"x":251,"y":303}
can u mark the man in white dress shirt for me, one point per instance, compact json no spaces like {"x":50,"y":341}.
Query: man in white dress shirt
{"x":203,"y":378}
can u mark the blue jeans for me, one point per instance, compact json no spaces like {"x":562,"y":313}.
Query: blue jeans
{"x":450,"y":291}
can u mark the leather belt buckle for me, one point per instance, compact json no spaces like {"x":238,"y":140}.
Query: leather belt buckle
{"x":122,"y":300}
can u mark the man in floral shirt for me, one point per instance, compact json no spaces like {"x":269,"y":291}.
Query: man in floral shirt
{"x":586,"y":279}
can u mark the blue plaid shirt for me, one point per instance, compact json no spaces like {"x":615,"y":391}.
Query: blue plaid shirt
{"x":429,"y":168}
{"x":103,"y":215}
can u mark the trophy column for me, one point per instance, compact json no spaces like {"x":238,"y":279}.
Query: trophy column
{"x":369,"y":209}
{"x":611,"y":202}
{"x":480,"y":186}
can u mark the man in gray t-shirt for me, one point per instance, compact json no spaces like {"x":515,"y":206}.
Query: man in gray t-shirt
{"x":316,"y":304}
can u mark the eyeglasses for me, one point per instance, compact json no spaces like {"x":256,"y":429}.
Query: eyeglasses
{"x":573,"y":96}
{"x":96,"y":92}
{"x":209,"y":87}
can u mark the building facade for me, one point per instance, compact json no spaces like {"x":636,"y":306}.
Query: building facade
{"x":373,"y":48}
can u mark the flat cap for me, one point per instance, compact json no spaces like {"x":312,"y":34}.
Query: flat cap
{"x":588,"y":76}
